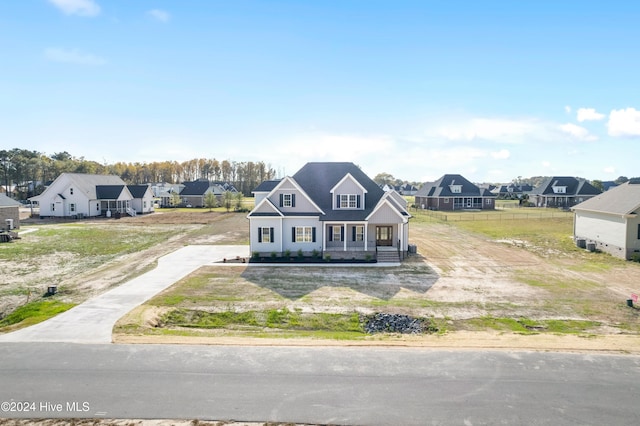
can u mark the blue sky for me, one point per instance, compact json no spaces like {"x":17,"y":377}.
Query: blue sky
{"x":492,"y":90}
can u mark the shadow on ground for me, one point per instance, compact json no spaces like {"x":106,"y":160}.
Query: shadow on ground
{"x":295,"y":281}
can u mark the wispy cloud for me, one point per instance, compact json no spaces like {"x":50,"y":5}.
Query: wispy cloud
{"x":577,"y":132}
{"x":73,"y":56}
{"x":495,"y":129}
{"x":624,"y":122}
{"x":77,"y":7}
{"x":589,"y":114}
{"x":159,"y":15}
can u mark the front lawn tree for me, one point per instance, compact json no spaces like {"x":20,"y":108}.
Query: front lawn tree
{"x":210,"y":201}
{"x":227,"y":199}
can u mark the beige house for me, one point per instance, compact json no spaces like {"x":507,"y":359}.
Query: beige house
{"x":9,"y":212}
{"x":610,"y":222}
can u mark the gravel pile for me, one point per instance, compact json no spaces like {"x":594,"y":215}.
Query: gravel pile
{"x":395,"y":323}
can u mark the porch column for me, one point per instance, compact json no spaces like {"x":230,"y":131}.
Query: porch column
{"x":366,"y":241}
{"x":281,"y":235}
{"x":324,"y":236}
{"x":345,"y":237}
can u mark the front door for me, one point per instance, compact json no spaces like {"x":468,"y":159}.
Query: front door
{"x":384,"y":236}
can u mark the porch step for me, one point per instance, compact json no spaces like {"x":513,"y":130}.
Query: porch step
{"x":388,"y":257}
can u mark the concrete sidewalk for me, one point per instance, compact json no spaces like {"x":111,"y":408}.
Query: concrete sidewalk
{"x":93,"y":320}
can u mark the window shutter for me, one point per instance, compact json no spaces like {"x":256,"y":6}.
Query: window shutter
{"x":281,"y":200}
{"x":357,"y":202}
{"x":353,"y":233}
{"x":271,"y":234}
{"x":313,"y":234}
{"x":293,"y":234}
{"x":342,"y":233}
{"x":337,"y":201}
{"x":259,"y":235}
{"x":331,"y":233}
{"x":293,"y":200}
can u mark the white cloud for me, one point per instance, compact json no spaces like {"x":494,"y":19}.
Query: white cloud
{"x":159,"y":15}
{"x":77,"y":7}
{"x":588,"y":114}
{"x":624,"y":122}
{"x":567,"y":109}
{"x":577,"y":132}
{"x":546,"y":164}
{"x":73,"y":56}
{"x":609,"y":170}
{"x":503,"y":154}
{"x":501,"y":130}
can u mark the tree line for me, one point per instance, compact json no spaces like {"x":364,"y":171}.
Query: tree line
{"x":30,"y":171}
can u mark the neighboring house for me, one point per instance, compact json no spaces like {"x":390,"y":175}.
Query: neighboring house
{"x":142,"y":198}
{"x":610,"y":221}
{"x":562,"y":191}
{"x":407,"y":189}
{"x":404,"y":189}
{"x":163,"y":193}
{"x":9,"y":212}
{"x":85,"y":195}
{"x":454,"y":192}
{"x":511,"y":191}
{"x":193,"y":194}
{"x":328,"y":208}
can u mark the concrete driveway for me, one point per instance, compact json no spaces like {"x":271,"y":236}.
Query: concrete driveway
{"x":93,"y":320}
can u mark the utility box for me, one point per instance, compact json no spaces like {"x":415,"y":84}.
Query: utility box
{"x":9,"y":224}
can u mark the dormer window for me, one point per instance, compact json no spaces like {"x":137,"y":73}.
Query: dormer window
{"x":456,"y":189}
{"x":71,"y":191}
{"x":559,"y":189}
{"x":349,"y":201}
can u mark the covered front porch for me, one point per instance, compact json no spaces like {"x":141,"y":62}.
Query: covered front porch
{"x":361,"y":240}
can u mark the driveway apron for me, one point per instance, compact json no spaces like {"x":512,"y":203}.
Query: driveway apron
{"x":93,"y":320}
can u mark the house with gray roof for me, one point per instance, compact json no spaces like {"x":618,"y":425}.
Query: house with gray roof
{"x":9,"y":212}
{"x":329,"y":208}
{"x":610,"y":221}
{"x":562,"y":192}
{"x":78,"y":195}
{"x":454,"y":192}
{"x":193,"y":193}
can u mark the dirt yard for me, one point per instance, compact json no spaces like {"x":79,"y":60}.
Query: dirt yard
{"x":474,"y":276}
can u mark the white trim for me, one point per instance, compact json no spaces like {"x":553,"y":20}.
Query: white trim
{"x":297,"y":187}
{"x":348,"y":176}
{"x":265,"y":200}
{"x":379,"y":206}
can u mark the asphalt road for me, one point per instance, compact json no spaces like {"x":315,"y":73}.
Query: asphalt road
{"x":368,"y":386}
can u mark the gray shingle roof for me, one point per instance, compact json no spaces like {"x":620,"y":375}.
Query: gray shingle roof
{"x":442,"y":188}
{"x":267,"y":186}
{"x":138,"y":191}
{"x":109,"y":192}
{"x":318,"y":178}
{"x":8,"y":202}
{"x":623,"y":199}
{"x":575,"y":186}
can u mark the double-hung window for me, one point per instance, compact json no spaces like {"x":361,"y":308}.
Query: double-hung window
{"x":304,"y":234}
{"x":286,"y":200}
{"x":348,"y":201}
{"x":359,"y":233}
{"x":265,"y":235}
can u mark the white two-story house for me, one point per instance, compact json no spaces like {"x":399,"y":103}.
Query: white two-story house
{"x":328,"y":208}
